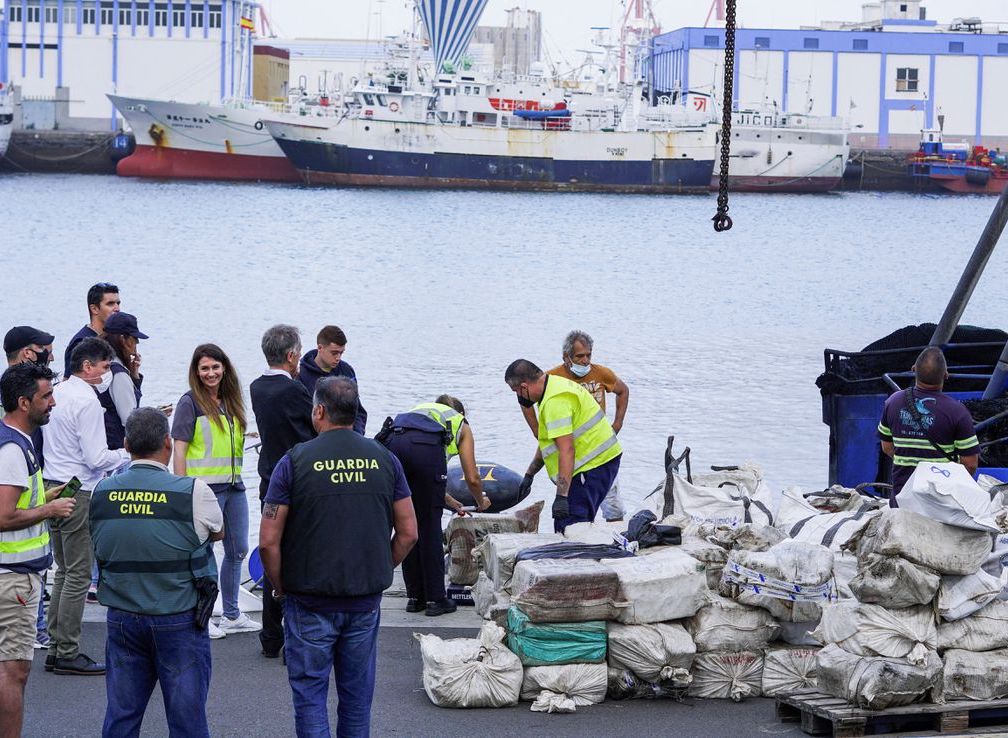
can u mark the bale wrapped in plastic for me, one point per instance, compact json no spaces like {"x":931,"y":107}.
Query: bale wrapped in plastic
{"x":871,"y":630}
{"x":787,"y":669}
{"x":984,"y":630}
{"x":944,"y":548}
{"x":546,"y":644}
{"x":565,"y":591}
{"x":960,"y":597}
{"x":654,"y":653}
{"x":564,"y":688}
{"x":791,"y":580}
{"x":874,"y":682}
{"x":732,"y":675}
{"x":975,"y":676}
{"x":723,"y":624}
{"x":496,"y":554}
{"x":625,"y":685}
{"x":665,"y":586}
{"x":465,"y":533}
{"x":712,"y":556}
{"x":490,"y":603}
{"x":894,"y":582}
{"x":470,"y":672}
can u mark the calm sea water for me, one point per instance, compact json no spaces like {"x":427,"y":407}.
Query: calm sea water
{"x":719,"y":337}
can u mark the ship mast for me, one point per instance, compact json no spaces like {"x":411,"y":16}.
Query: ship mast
{"x":638,"y":28}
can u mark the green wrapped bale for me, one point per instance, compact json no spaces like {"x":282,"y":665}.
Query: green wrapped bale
{"x":550,"y":644}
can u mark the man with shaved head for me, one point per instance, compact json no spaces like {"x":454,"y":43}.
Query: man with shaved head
{"x":922,"y":423}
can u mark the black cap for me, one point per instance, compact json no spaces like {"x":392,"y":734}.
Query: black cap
{"x":24,"y":335}
{"x":123,"y":324}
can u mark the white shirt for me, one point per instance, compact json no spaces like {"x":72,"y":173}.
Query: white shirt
{"x":271,"y":372}
{"x":206,"y":513}
{"x":74,"y":437}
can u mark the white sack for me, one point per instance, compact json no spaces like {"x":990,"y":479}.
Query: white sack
{"x":566,"y":590}
{"x":838,"y":499}
{"x":801,"y":521}
{"x":944,"y":548}
{"x":724,"y":624}
{"x":985,"y":630}
{"x":470,"y":672}
{"x":975,"y":676}
{"x":744,"y":498}
{"x":496,"y":554}
{"x":601,"y":533}
{"x":665,"y":586}
{"x":727,"y":675}
{"x":712,"y":556}
{"x":845,"y":568}
{"x":894,"y":582}
{"x":960,"y":597}
{"x":946,"y":492}
{"x":490,"y":603}
{"x":798,"y":634}
{"x":870,"y":630}
{"x":653,"y":653}
{"x":563,"y":688}
{"x":792,"y":579}
{"x":787,"y":670}
{"x":876,"y":683}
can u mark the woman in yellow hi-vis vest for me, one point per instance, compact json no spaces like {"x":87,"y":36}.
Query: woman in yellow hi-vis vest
{"x":209,"y":434}
{"x":577,"y":445}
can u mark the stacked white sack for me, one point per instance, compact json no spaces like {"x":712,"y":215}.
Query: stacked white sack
{"x":471,"y":672}
{"x":788,"y":669}
{"x":655,"y":653}
{"x":564,"y":688}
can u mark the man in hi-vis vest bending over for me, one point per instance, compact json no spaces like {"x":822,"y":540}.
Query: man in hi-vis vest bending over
{"x":577,"y":445}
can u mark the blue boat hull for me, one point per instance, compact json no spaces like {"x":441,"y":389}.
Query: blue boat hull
{"x":334,"y":164}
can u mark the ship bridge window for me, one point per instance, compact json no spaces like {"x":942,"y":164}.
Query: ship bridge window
{"x":811,"y":43}
{"x":712,"y":42}
{"x":955,"y":47}
{"x":382,"y":100}
{"x":860,"y":44}
{"x":906,"y":79}
{"x":762,"y":42}
{"x":468,"y":89}
{"x":368,"y":98}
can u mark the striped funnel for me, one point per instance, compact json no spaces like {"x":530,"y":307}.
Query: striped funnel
{"x":450,"y":26}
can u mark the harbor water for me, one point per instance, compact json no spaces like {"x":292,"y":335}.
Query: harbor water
{"x":719,"y":337}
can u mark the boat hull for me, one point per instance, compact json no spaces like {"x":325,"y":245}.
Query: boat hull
{"x":959,"y":185}
{"x":779,"y":184}
{"x":196,"y":141}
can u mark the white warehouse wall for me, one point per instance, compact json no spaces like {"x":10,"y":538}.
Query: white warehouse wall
{"x":810,"y":77}
{"x":955,"y":88}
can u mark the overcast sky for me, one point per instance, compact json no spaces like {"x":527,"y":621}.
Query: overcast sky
{"x":567,"y":22}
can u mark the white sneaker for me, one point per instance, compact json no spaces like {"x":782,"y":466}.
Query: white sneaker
{"x":215,"y":632}
{"x":242,"y":624}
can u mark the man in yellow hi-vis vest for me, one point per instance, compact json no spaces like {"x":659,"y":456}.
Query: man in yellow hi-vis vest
{"x":577,"y":445}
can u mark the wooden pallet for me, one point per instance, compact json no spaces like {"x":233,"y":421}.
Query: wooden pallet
{"x":823,"y":714}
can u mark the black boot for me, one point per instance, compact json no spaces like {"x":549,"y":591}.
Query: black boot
{"x":415,"y":605}
{"x":443,"y":607}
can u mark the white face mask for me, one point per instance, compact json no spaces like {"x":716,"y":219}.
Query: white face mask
{"x":106,"y":380}
{"x":580,"y":370}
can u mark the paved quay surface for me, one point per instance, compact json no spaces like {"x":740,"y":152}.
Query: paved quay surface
{"x":250,"y":697}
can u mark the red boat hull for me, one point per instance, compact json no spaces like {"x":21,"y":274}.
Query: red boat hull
{"x":994,"y":186}
{"x":168,"y":163}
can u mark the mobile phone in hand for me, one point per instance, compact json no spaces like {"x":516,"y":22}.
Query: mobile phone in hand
{"x":71,"y":488}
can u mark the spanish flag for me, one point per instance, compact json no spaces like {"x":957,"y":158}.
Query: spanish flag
{"x":247,"y":24}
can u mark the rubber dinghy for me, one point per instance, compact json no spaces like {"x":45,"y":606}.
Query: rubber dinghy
{"x":500,"y":484}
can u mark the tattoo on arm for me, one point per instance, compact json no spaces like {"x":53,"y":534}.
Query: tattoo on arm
{"x":270,"y":510}
{"x":562,"y":486}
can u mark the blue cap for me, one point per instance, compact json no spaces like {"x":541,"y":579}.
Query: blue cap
{"x":123,"y":324}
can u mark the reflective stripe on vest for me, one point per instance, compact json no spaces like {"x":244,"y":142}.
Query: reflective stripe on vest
{"x":448,"y":418}
{"x":594,"y":440}
{"x":31,"y":543}
{"x":215,"y":452}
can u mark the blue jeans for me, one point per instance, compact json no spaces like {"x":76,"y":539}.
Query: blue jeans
{"x":234,"y":506}
{"x":316,"y":643}
{"x":587,"y":490}
{"x":142,"y":650}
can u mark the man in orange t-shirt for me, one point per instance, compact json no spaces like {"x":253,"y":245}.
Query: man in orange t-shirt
{"x":599,"y":381}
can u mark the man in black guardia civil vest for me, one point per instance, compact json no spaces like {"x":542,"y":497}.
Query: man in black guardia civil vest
{"x":337,"y":519}
{"x":152,"y":532}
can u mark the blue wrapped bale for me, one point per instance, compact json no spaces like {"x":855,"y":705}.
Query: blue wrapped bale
{"x":546,"y":644}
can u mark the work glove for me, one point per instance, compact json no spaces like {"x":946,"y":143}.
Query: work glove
{"x":525,"y":487}
{"x":561,"y":509}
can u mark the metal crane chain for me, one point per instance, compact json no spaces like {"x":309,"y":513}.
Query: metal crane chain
{"x":722,"y":222}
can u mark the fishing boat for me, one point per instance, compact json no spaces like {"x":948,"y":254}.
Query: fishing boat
{"x":958,"y":167}
{"x":6,"y":118}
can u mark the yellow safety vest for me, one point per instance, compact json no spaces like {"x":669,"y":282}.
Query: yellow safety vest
{"x":216,"y":450}
{"x":31,"y":543}
{"x":567,"y":408}
{"x":448,"y":418}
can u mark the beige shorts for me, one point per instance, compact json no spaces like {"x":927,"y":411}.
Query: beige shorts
{"x":19,"y":601}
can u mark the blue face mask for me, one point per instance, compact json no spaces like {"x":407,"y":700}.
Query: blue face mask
{"x":580,"y":370}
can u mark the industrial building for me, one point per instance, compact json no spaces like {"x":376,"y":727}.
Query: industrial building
{"x":63,"y":56}
{"x":891,"y":74}
{"x":517,"y":45}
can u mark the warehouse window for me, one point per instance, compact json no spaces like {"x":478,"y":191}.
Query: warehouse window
{"x":215,"y":17}
{"x":15,"y":14}
{"x":712,"y":41}
{"x":88,"y":15}
{"x":906,"y":79}
{"x":811,"y":43}
{"x":860,"y":44}
{"x":762,"y":42}
{"x":161,"y":15}
{"x":33,"y":13}
{"x":51,"y":14}
{"x":125,"y":16}
{"x":70,"y":15}
{"x":143,"y":17}
{"x":955,"y":47}
{"x":107,"y":14}
{"x":197,"y":18}
{"x":178,"y":17}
